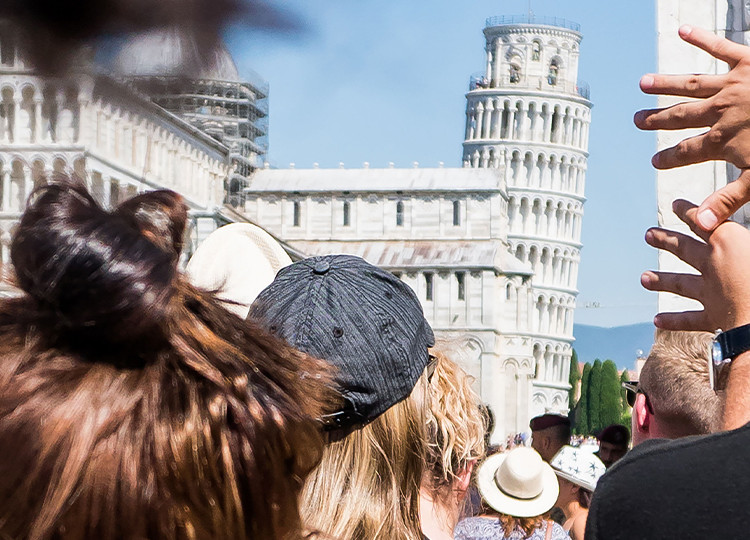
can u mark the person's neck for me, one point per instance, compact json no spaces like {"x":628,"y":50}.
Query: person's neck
{"x":438,"y":517}
{"x":571,"y":508}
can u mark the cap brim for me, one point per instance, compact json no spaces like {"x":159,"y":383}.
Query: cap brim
{"x":512,"y":506}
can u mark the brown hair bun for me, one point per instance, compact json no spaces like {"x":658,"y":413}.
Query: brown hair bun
{"x":98,"y":276}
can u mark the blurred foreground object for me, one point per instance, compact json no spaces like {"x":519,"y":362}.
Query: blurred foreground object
{"x":59,"y":30}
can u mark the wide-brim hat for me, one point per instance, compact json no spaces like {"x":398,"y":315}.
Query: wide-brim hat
{"x":518,"y":483}
{"x":238,"y":261}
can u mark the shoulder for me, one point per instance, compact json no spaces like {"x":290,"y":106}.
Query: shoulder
{"x":558,"y":533}
{"x":477,"y":528}
{"x":657,"y":471}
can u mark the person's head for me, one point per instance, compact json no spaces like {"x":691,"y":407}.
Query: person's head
{"x":455,"y":431}
{"x":519,"y":486}
{"x":674,"y":397}
{"x":370,"y":326}
{"x":455,"y":422}
{"x":549,"y":433}
{"x":613,"y":444}
{"x":133,"y":405}
{"x":578,"y":472}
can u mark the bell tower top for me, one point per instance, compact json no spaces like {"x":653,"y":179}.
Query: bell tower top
{"x":535,"y":53}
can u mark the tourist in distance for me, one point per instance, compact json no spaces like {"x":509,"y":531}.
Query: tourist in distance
{"x":549,"y":433}
{"x":613,"y":444}
{"x":518,"y":488}
{"x":697,"y":487}
{"x":370,"y":326}
{"x":673,"y":397}
{"x":132,"y":404}
{"x":578,"y":472}
{"x":456,"y":429}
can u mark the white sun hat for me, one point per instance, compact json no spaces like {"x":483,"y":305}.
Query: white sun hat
{"x":238,"y":260}
{"x":518,"y":483}
{"x":578,"y":466}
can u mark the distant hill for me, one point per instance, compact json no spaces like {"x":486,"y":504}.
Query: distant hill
{"x":619,"y":343}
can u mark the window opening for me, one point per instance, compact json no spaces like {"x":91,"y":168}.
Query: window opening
{"x":461,"y":281}
{"x":428,"y":285}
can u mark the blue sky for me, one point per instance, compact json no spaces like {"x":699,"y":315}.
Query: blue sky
{"x":384,"y":81}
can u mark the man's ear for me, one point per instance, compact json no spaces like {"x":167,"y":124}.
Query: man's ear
{"x":641,"y":414}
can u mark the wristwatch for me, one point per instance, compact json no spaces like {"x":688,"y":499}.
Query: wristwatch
{"x":726,"y":346}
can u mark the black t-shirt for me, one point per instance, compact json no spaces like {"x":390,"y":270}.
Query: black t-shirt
{"x":696,"y":487}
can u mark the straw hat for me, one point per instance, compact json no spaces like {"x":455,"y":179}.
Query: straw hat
{"x":518,"y":483}
{"x":578,"y":466}
{"x":238,"y":260}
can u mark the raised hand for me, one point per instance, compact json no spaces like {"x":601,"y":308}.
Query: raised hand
{"x":722,"y":259}
{"x":723,"y":106}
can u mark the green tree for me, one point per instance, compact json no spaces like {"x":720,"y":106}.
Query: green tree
{"x":594,"y":390}
{"x":624,"y":377}
{"x":573,"y":379}
{"x":582,"y":413}
{"x":610,"y":400}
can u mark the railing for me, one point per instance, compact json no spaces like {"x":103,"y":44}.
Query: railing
{"x":479,"y":81}
{"x":532,"y":19}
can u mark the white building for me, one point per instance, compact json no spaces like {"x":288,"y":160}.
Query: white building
{"x":111,"y":135}
{"x":492,"y":249}
{"x":728,"y":18}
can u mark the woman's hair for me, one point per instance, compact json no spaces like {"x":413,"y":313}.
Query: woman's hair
{"x":526,"y":524}
{"x":367,"y":484}
{"x":132,"y":405}
{"x":455,"y":423}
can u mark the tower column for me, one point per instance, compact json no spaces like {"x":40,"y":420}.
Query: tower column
{"x":487,"y":124}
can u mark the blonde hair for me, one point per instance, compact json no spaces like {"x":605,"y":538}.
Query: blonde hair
{"x":455,"y":424}
{"x":367,"y":484}
{"x":675,"y":379}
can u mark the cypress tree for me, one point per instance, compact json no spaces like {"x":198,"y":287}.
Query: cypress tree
{"x":624,"y":377}
{"x":582,"y":413}
{"x":610,"y":400}
{"x":594,"y":391}
{"x":573,"y":379}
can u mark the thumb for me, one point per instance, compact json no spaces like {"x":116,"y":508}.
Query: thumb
{"x":721,"y":204}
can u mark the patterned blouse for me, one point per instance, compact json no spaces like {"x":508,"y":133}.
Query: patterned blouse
{"x":485,"y":528}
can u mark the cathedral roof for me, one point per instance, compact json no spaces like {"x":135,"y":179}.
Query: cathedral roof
{"x":448,"y":254}
{"x":376,"y":180}
{"x":172,"y":52}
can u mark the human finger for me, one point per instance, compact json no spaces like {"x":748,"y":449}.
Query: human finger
{"x":688,"y":151}
{"x":695,"y":86}
{"x":685,"y":247}
{"x":691,"y":321}
{"x":688,"y":214}
{"x":718,"y":47}
{"x":687,"y":285}
{"x":721,"y":204}
{"x":691,"y":114}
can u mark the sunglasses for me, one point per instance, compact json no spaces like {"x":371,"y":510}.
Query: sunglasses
{"x":631,"y":389}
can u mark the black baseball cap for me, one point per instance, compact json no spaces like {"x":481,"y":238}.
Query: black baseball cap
{"x":362,"y":319}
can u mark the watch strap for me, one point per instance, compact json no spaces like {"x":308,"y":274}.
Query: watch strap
{"x":735,"y":341}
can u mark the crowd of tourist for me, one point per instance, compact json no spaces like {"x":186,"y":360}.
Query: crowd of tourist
{"x":136,"y":404}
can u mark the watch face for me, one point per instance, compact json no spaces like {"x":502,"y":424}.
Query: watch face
{"x":716,"y":355}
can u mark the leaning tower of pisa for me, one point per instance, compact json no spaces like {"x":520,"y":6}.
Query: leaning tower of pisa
{"x":529,"y":114}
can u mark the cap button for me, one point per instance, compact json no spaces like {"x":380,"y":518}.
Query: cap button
{"x":321,"y":267}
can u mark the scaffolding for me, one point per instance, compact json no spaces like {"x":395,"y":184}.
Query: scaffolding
{"x":234,"y":113}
